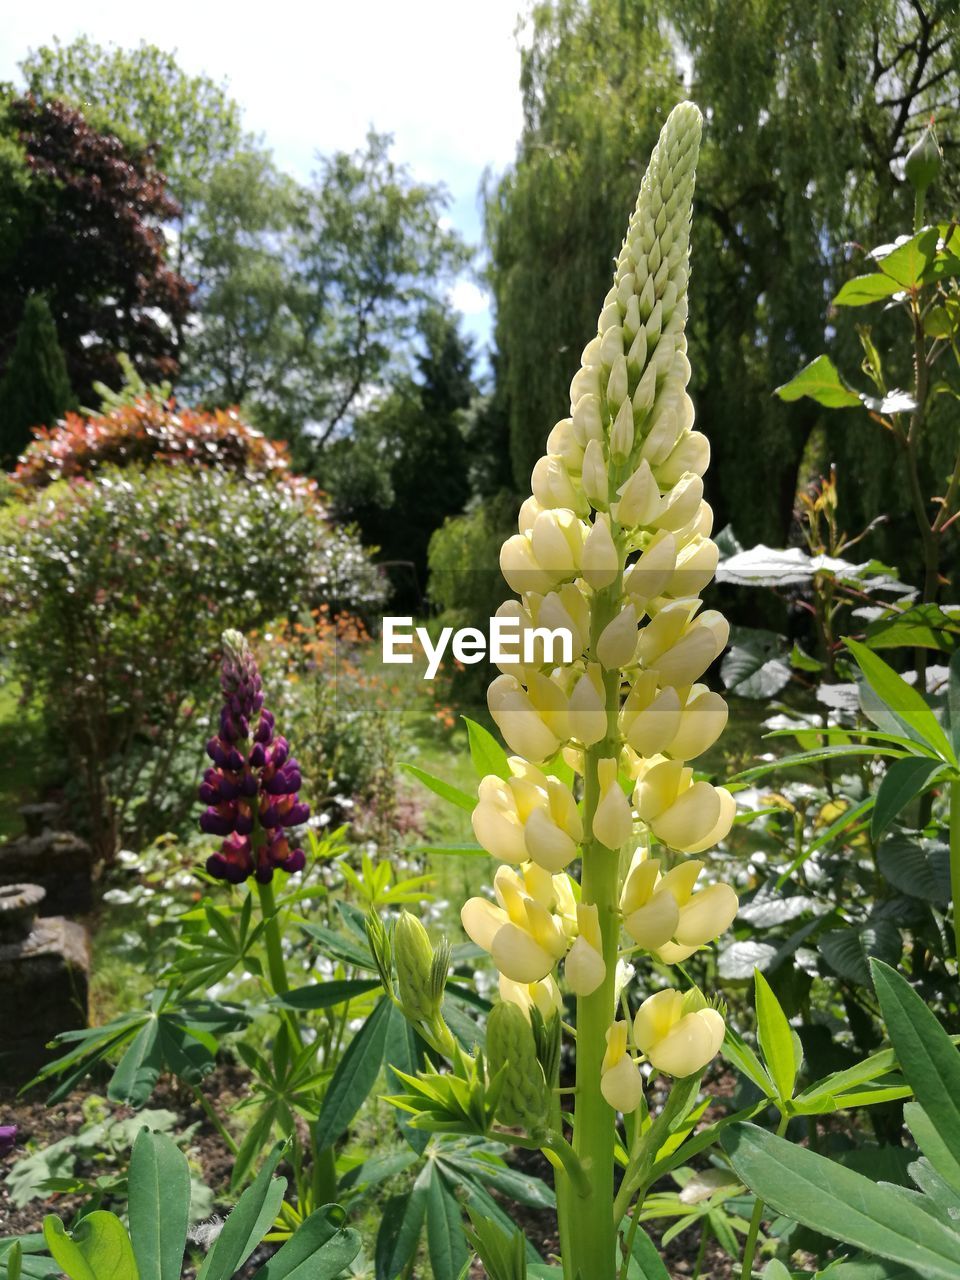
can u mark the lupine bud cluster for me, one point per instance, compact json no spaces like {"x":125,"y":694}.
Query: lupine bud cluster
{"x":614,"y":546}
{"x":251,"y":790}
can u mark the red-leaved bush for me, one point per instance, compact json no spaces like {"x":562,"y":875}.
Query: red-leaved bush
{"x":148,"y":431}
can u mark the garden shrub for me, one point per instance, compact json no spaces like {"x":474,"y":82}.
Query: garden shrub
{"x":114,"y":594}
{"x":152,"y":430}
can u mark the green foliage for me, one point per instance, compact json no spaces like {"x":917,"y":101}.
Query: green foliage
{"x":404,"y":468}
{"x":126,"y":560}
{"x":146,"y":97}
{"x":35,"y":389}
{"x":310,"y":297}
{"x":806,"y":115}
{"x":914,"y":1228}
{"x":100,"y":1247}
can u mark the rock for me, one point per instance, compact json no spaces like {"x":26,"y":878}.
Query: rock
{"x":44,"y":979}
{"x":19,"y":907}
{"x":58,"y":861}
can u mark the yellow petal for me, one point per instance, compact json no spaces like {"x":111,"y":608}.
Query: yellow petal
{"x":548,"y":846}
{"x":584,"y":968}
{"x":707,"y":915}
{"x":654,"y":923}
{"x":519,"y":956}
{"x":656,"y":1017}
{"x":600,"y":563}
{"x":728,"y":811}
{"x":689,"y":819}
{"x":613,"y":819}
{"x":622,"y":1086}
{"x":700,"y":724}
{"x":481,"y":920}
{"x":690,"y":1045}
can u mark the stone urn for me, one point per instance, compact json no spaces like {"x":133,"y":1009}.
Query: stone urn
{"x":44,"y":974}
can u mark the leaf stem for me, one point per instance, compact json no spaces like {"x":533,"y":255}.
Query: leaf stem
{"x":955,"y":865}
{"x":753,"y":1232}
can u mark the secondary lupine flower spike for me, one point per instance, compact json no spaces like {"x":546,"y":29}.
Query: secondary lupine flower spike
{"x":251,"y":790}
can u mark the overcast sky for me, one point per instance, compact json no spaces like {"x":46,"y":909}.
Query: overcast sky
{"x":441,"y":75}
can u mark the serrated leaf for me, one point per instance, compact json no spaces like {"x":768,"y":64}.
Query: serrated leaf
{"x":908,"y":262}
{"x":919,"y":869}
{"x":861,"y":291}
{"x":848,"y":951}
{"x":737,"y":962}
{"x":820,"y":381}
{"x":901,"y":784}
{"x":755,"y":666}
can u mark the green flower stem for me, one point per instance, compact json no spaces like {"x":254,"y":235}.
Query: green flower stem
{"x":593,"y":1241}
{"x":955,"y":864}
{"x":636,"y":1178}
{"x":324,"y":1160}
{"x":753,"y":1231}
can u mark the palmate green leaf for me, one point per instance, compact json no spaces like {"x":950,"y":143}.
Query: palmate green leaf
{"x":370,"y":1173}
{"x":499,"y":1247}
{"x":326,"y":995}
{"x":821,"y":382}
{"x":403,"y":1051}
{"x":321,"y":1249}
{"x":905,"y":703}
{"x":778,"y":1041}
{"x":446,"y":1241}
{"x":928,"y":1059}
{"x":340,"y":946}
{"x":445,"y":790}
{"x":159,"y":1205}
{"x":870,"y":1269}
{"x":485,"y":751}
{"x":903,"y":782}
{"x":139,"y":1069}
{"x":841,"y":1204}
{"x":99,"y":1248}
{"x":354,"y":1077}
{"x":940,"y":1154}
{"x":861,"y":291}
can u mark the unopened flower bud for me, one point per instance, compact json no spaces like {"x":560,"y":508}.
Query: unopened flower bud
{"x":594,"y":477}
{"x":600,"y":563}
{"x":618,"y":640}
{"x":924,"y":159}
{"x":511,"y":1049}
{"x":584,"y":967}
{"x":620,"y":1080}
{"x":621,"y":433}
{"x":613,"y":820}
{"x":414,"y":958}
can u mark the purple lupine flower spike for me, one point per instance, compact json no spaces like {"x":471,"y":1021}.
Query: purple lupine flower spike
{"x":8,"y":1139}
{"x":251,"y":790}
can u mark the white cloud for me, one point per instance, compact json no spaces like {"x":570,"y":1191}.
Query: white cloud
{"x":441,"y":75}
{"x":468,"y":298}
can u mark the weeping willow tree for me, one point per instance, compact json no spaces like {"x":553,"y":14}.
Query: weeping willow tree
{"x":810,"y":108}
